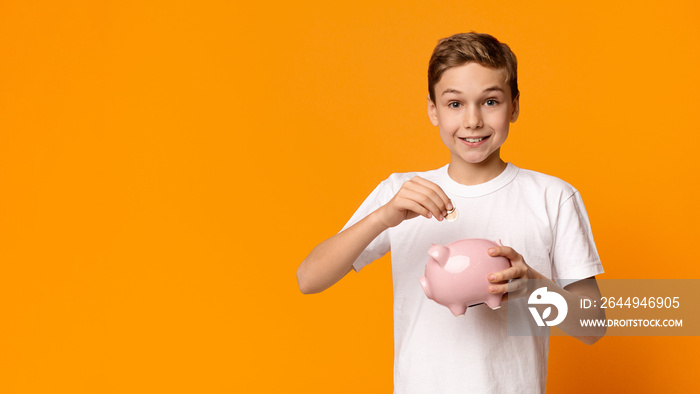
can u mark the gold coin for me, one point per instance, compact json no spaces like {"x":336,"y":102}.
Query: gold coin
{"x":452,"y":215}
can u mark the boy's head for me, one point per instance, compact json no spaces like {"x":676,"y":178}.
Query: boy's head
{"x":479,"y":48}
{"x":473,"y":100}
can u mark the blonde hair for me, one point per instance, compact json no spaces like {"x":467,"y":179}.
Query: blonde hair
{"x":483,"y":49}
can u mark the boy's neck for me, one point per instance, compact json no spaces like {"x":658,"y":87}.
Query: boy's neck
{"x":475,"y":173}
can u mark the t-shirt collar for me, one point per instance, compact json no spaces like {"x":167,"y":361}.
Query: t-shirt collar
{"x":482,"y":189}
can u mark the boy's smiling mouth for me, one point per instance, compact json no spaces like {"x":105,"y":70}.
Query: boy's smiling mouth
{"x":473,"y":139}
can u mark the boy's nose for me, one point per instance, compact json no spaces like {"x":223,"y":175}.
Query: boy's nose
{"x":472,"y":119}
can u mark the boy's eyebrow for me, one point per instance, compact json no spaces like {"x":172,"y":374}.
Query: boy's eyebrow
{"x":490,"y":89}
{"x":494,"y":88}
{"x":450,"y":91}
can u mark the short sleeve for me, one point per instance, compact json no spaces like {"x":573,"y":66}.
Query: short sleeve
{"x":380,"y":245}
{"x":574,"y":255}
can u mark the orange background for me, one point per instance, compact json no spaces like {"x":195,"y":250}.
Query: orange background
{"x":166,"y":165}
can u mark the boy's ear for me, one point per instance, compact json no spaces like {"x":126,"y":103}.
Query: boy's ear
{"x":516,"y":109}
{"x":432,"y":112}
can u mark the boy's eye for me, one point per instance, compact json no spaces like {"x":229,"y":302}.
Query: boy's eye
{"x":453,"y":104}
{"x":490,"y":102}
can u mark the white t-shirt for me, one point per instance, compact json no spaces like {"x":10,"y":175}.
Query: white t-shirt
{"x":543,"y":218}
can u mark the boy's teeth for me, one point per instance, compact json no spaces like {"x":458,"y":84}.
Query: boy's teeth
{"x":474,"y":139}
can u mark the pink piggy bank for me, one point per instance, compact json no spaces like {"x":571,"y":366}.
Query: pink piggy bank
{"x":456,"y":274}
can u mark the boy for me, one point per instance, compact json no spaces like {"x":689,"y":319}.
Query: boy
{"x":473,"y":98}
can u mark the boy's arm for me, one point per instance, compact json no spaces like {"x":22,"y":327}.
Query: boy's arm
{"x":587,"y":288}
{"x":332,"y":259}
{"x":573,"y":294}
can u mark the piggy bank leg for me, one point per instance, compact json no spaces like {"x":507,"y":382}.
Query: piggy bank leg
{"x":426,"y":287}
{"x":494,"y":301}
{"x":458,"y":310}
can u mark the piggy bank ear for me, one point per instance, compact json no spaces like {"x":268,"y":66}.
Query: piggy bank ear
{"x":440,"y":253}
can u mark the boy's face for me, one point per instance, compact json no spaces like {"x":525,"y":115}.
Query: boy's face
{"x":473,"y":109}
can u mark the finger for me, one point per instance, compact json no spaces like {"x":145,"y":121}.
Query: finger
{"x":422,"y":196}
{"x":447,"y":203}
{"x":513,"y":287}
{"x":498,"y":289}
{"x":505,"y":251}
{"x":435,"y":192}
{"x":414,"y":207}
{"x":432,"y":191}
{"x":517,"y":287}
{"x":513,"y":272}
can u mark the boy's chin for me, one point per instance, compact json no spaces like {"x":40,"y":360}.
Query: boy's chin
{"x":477,"y":160}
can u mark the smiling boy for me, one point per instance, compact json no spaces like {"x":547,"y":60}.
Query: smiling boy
{"x":473,"y":98}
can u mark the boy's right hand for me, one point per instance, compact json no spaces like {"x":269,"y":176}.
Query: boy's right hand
{"x":417,"y":197}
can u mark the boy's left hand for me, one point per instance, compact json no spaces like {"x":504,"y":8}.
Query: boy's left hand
{"x":573,"y":294}
{"x":518,"y":270}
